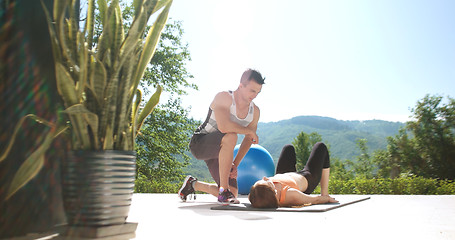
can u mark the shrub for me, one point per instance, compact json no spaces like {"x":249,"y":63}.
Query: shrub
{"x":399,"y":186}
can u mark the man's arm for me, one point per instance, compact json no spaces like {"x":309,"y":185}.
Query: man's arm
{"x":249,"y":139}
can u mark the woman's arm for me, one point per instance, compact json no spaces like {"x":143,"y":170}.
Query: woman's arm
{"x":325,"y":182}
{"x":295,"y":197}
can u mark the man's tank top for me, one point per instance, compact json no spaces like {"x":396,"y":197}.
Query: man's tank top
{"x":210,"y":124}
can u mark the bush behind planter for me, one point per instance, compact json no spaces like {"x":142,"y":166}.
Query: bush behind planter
{"x":398,"y":186}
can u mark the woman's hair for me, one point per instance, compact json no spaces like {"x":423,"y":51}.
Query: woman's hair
{"x":262,"y":196}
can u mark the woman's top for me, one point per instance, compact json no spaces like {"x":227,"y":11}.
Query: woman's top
{"x":286,"y":184}
{"x":210,"y":124}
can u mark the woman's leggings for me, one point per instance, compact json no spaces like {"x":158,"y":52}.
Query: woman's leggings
{"x":319,"y":159}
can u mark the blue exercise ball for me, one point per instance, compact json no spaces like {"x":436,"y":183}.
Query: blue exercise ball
{"x":256,"y":164}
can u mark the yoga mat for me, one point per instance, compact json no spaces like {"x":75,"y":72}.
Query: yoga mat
{"x":343,"y":201}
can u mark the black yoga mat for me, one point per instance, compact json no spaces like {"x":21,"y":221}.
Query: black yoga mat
{"x":343,"y":201}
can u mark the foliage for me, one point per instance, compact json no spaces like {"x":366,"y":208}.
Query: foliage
{"x":341,"y":170}
{"x":168,"y":65}
{"x":162,"y":146}
{"x":161,"y":155}
{"x":97,"y":78}
{"x":98,"y":85}
{"x":303,"y":145}
{"x":399,"y":186}
{"x":426,"y":147}
{"x":163,"y":142}
{"x":363,"y":167}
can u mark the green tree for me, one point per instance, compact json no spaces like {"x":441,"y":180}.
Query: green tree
{"x":303,"y":145}
{"x":434,"y":134}
{"x":385,"y":167}
{"x":162,"y":146}
{"x":363,"y":167}
{"x":402,"y":159}
{"x":341,"y":170}
{"x":161,"y":149}
{"x":427,"y":146}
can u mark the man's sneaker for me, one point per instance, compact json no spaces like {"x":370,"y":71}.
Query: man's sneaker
{"x":226,"y":197}
{"x":187,"y":188}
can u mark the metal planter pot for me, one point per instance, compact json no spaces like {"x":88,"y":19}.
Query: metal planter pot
{"x":98,"y":187}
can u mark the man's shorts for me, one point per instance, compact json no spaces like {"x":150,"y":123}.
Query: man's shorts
{"x":207,"y":147}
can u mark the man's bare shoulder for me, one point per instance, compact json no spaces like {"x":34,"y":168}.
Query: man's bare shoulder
{"x":222,"y":99}
{"x":256,"y":108}
{"x":223,"y":94}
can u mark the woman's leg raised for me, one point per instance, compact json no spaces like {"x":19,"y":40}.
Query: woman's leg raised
{"x":287,"y":160}
{"x":319,"y":159}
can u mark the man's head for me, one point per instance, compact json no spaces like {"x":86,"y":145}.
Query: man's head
{"x":251,"y":74}
{"x":263,"y":194}
{"x":251,"y":84}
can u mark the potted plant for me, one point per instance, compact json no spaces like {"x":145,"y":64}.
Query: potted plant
{"x":98,"y":79}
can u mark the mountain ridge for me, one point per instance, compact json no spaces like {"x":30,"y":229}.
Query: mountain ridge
{"x":340,"y":135}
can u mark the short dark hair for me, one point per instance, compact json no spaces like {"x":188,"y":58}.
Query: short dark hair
{"x":251,"y":74}
{"x":262,"y":196}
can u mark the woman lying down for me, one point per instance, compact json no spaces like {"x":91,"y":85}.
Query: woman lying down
{"x":290,"y":187}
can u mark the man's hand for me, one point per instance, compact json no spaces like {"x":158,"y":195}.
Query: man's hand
{"x":253,"y":138}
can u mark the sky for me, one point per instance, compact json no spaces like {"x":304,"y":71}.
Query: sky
{"x":345,"y":59}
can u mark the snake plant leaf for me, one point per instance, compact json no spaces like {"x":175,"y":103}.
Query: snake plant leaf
{"x":90,"y":118}
{"x":109,"y":139}
{"x":97,"y":79}
{"x":107,"y":36}
{"x":151,"y":41}
{"x":89,"y":24}
{"x":64,"y":33}
{"x":135,"y":112}
{"x":31,"y":166}
{"x":137,"y":7}
{"x":16,"y":130}
{"x":67,"y":90}
{"x":65,"y":85}
{"x":53,"y":35}
{"x":152,"y":6}
{"x":102,"y":5}
{"x":136,"y":104}
{"x":80,"y":109}
{"x":125,"y":105}
{"x":60,"y":9}
{"x":83,"y":64}
{"x":131,"y":41}
{"x":149,"y":106}
{"x":119,"y":34}
{"x":159,"y":4}
{"x":74,"y":20}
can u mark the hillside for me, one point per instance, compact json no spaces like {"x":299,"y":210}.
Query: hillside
{"x":340,"y":135}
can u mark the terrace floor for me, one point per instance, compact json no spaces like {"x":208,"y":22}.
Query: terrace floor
{"x":164,"y":216}
{"x":380,"y":217}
